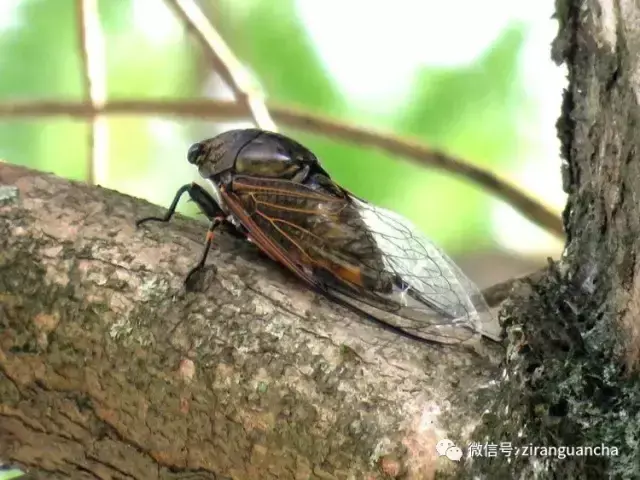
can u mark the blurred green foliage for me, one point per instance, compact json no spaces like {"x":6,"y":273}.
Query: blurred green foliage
{"x":469,"y":112}
{"x":10,"y":474}
{"x":35,"y":61}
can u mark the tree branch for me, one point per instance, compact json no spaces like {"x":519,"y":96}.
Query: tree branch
{"x":105,"y":356}
{"x":224,"y":110}
{"x":226,"y":64}
{"x":91,"y":49}
{"x":499,"y":292}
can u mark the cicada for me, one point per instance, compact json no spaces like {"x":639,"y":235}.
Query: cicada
{"x":275,"y":192}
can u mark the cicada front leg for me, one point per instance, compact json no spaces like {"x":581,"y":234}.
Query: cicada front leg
{"x":206,"y":203}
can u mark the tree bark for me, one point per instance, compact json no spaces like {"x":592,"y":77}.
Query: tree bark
{"x":571,"y":367}
{"x":110,"y":369}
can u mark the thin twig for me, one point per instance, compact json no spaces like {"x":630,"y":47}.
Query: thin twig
{"x":225,"y":110}
{"x":225,"y":62}
{"x":91,"y":47}
{"x":523,"y":202}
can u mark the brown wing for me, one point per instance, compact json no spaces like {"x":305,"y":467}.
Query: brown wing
{"x":359,"y":256}
{"x":317,"y":228}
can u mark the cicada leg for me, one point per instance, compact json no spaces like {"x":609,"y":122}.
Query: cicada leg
{"x":207,"y":246}
{"x":199,"y":195}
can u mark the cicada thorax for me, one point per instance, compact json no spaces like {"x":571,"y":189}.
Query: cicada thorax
{"x":272,"y":155}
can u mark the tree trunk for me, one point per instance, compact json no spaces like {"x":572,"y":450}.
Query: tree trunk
{"x":575,"y":336}
{"x":109,"y":369}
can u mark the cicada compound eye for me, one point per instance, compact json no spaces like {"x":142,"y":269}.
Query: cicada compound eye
{"x":195,"y":152}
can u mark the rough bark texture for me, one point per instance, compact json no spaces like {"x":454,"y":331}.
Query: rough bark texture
{"x":574,"y":336}
{"x":109,"y":369}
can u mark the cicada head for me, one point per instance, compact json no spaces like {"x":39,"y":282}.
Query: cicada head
{"x":217,"y":155}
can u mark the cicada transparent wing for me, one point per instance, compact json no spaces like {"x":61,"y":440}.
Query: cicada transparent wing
{"x":431,"y":298}
{"x":366,"y":257}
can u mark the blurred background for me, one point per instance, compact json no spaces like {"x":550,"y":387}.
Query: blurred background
{"x":472,"y":78}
